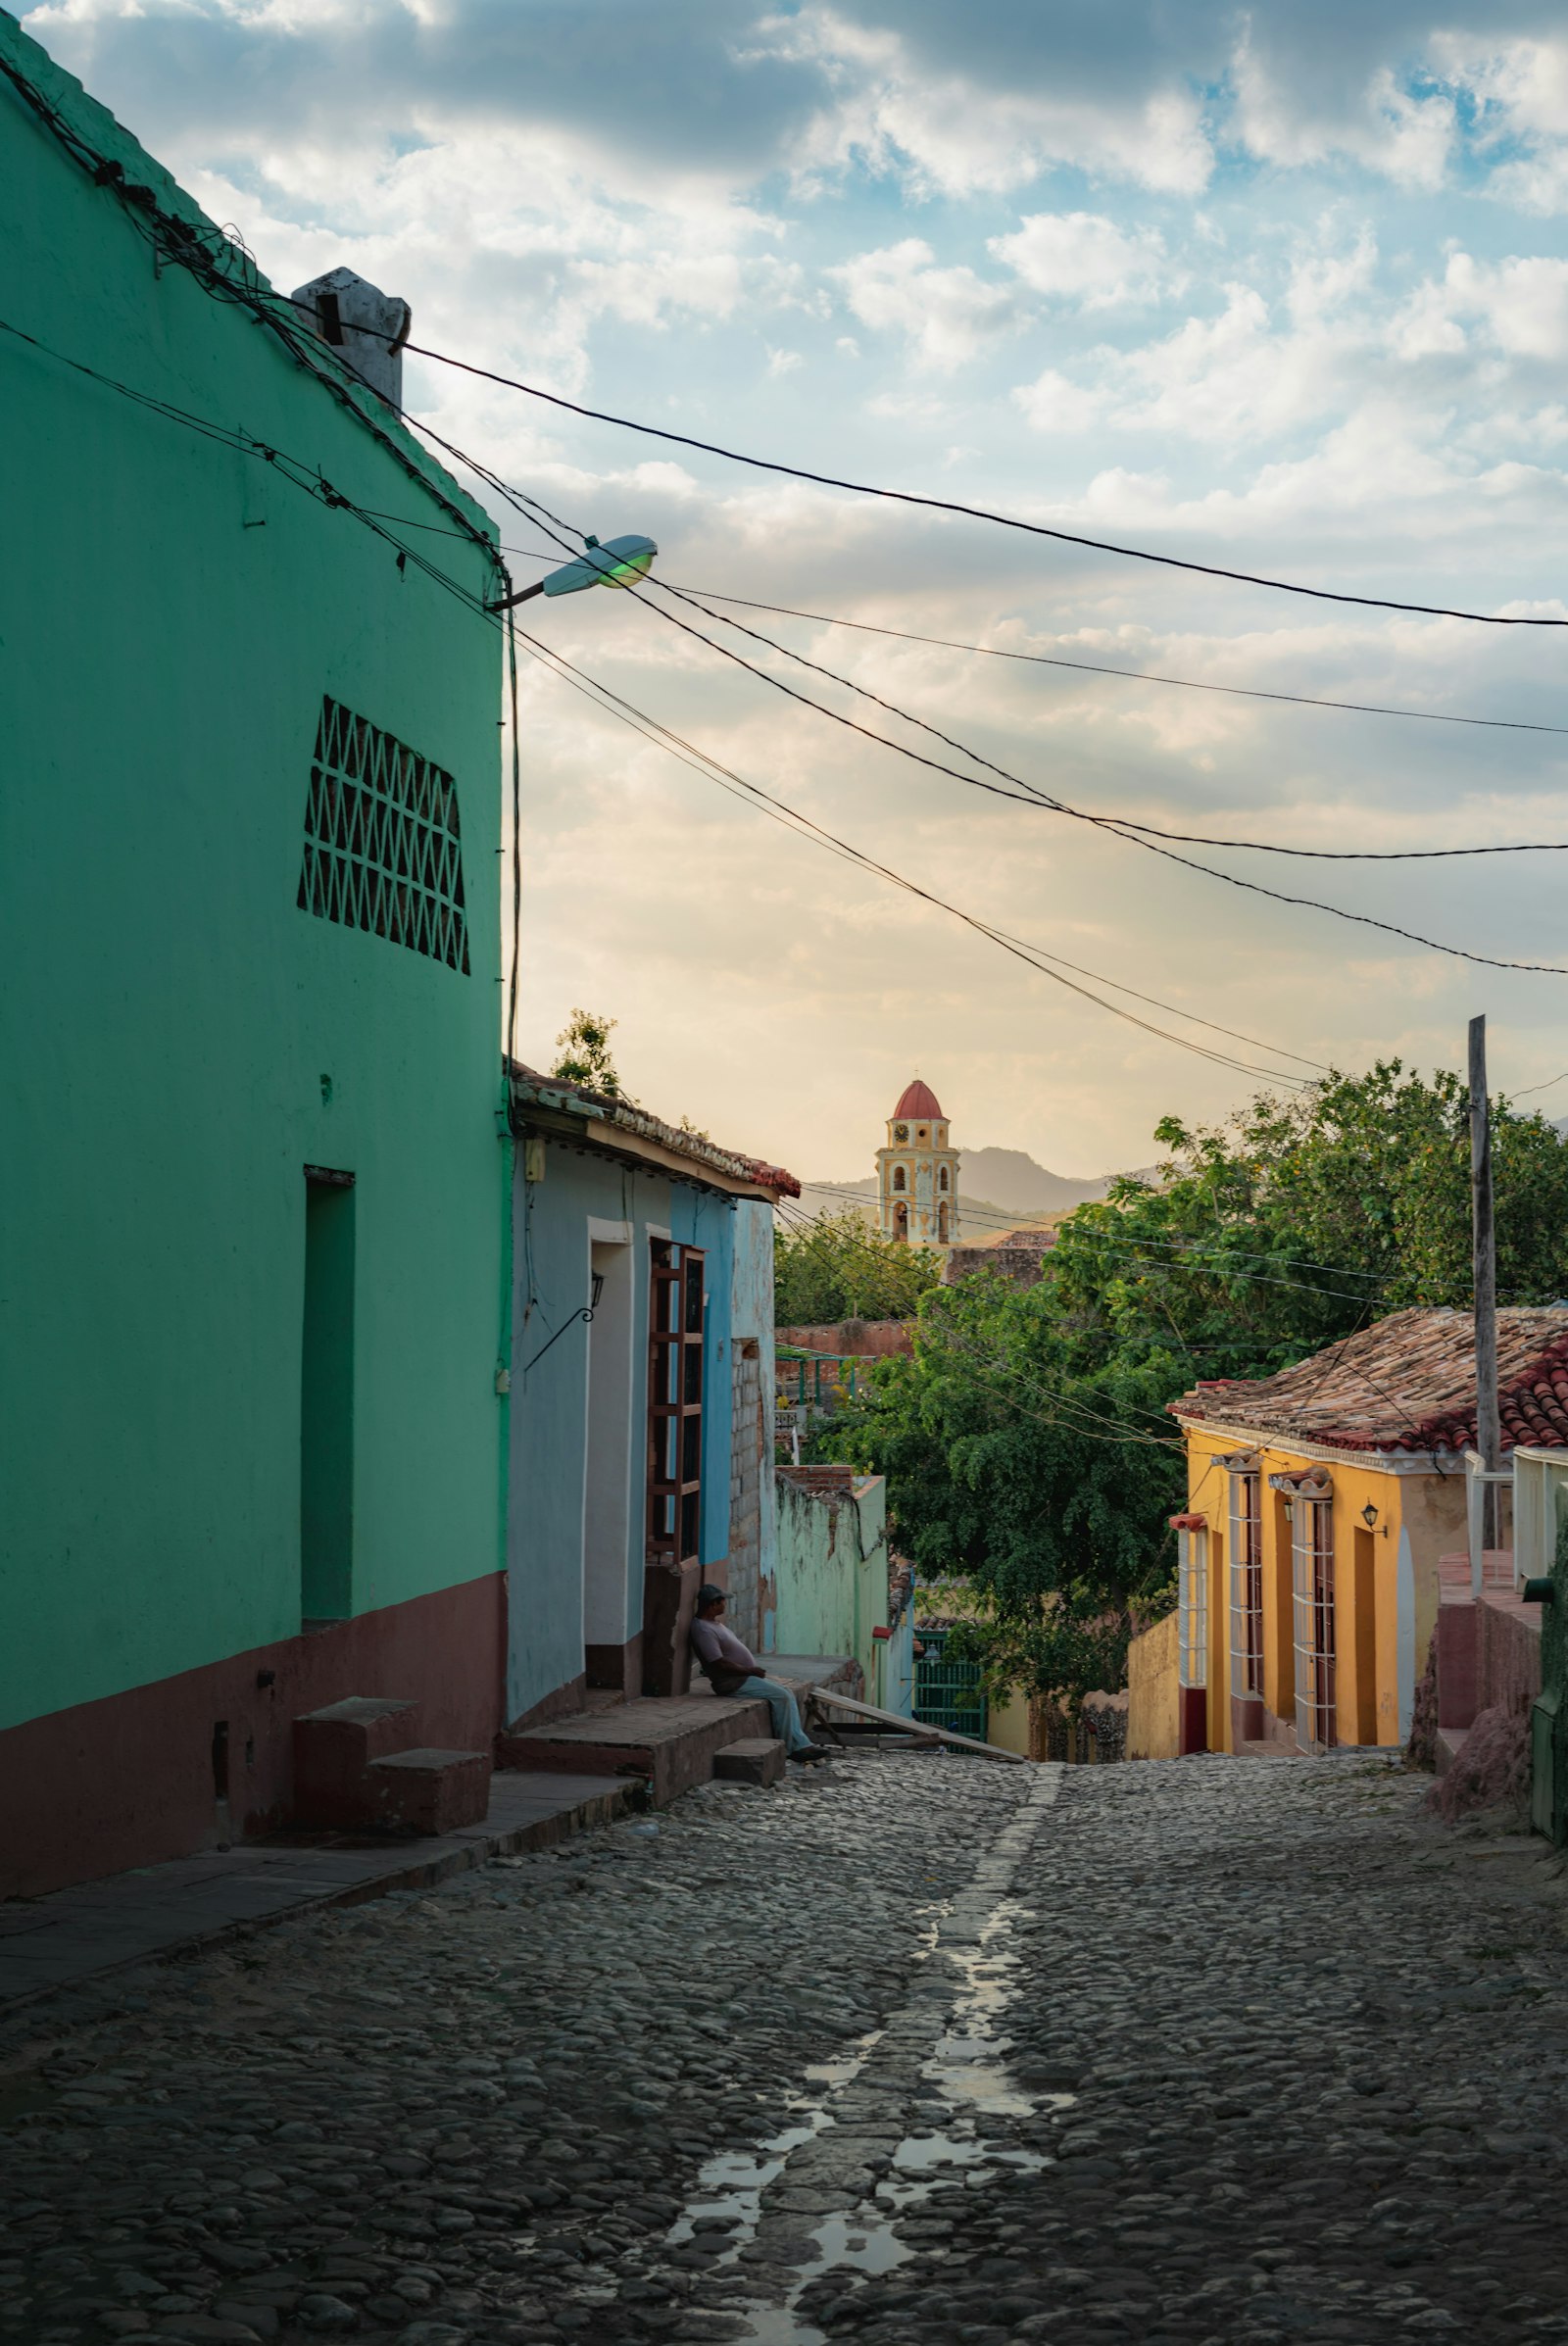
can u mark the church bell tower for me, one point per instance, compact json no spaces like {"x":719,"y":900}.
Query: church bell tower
{"x":918,"y":1173}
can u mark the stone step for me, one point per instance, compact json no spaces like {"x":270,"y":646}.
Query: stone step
{"x":669,"y":1740}
{"x":428,"y":1791}
{"x":755,"y":1759}
{"x":334,"y":1746}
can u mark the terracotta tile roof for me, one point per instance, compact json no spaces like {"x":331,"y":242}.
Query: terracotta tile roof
{"x":1407,"y":1384}
{"x":531,"y":1089}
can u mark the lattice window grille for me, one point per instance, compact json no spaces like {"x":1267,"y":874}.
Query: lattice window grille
{"x":382,"y":846}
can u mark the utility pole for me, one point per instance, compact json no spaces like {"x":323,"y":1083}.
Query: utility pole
{"x":1489,"y":1430}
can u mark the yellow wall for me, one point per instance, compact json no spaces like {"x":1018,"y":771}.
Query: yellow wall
{"x":1429,"y":1506}
{"x":1151,"y":1693}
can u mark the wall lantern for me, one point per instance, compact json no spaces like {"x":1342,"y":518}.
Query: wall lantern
{"x":1369,"y":1516}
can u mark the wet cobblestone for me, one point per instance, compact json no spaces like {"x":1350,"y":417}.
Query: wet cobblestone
{"x":907,"y":2050}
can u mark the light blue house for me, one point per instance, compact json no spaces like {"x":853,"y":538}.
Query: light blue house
{"x":642,"y":1395}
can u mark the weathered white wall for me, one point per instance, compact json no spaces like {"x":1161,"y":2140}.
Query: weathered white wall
{"x":832,"y":1585}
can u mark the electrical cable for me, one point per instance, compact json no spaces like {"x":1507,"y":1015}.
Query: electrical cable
{"x":319,"y":488}
{"x":1300,"y":1263}
{"x":711,"y":770}
{"x":1136,"y":834}
{"x":974,"y":512}
{"x":1120,"y":823}
{"x":180,"y":240}
{"x":1084,"y":1418}
{"x":1089,"y":668}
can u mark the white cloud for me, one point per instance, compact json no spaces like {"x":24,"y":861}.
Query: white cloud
{"x":947,"y":314}
{"x":1053,"y":403}
{"x":1284,"y":118}
{"x":946,"y":130}
{"x":1082,"y":257}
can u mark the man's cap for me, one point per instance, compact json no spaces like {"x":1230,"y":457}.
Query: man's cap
{"x":709,"y":1596}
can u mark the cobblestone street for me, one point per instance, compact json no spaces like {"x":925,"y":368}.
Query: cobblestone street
{"x":912,"y":2048}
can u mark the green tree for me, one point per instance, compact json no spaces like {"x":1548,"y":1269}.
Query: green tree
{"x":842,"y":1268}
{"x":1027,"y":1442}
{"x":1265,"y":1239}
{"x":583,"y":1054}
{"x":1046,"y":1487}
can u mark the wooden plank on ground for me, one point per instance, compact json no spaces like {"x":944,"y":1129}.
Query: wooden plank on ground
{"x":917,"y":1726}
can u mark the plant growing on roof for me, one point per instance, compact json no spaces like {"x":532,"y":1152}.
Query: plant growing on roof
{"x":584,"y":1056}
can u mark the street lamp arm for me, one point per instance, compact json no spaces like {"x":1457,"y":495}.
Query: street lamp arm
{"x":537,"y":588}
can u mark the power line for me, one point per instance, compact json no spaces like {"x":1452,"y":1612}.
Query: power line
{"x":1218,"y":1267}
{"x":1090,"y":667}
{"x":1120,"y":827}
{"x":319,"y":488}
{"x":971,"y":513}
{"x":711,"y":770}
{"x":1120,"y":823}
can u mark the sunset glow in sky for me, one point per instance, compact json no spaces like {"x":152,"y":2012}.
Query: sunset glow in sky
{"x":1285,"y":291}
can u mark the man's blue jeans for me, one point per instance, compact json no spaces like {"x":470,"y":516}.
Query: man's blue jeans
{"x":782,"y":1705}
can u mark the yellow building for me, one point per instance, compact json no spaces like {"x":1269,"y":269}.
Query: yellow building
{"x":1319,"y":1502}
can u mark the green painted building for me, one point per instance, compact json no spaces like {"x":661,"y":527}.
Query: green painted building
{"x":253,"y":1283}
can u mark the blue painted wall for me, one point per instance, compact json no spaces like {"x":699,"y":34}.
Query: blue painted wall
{"x":552,"y":1245}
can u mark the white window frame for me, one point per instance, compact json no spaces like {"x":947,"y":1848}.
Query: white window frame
{"x":1313,"y":1624}
{"x":1191,"y":1609}
{"x":1246,"y":1584}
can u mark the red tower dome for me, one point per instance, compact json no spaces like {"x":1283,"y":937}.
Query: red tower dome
{"x":918,"y":1100}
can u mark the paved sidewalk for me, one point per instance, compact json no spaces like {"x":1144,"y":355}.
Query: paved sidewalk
{"x":74,"y":1934}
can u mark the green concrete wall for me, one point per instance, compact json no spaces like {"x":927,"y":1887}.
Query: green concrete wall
{"x":179,"y":1039}
{"x":832,"y":1588}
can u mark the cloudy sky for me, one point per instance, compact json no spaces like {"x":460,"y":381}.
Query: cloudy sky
{"x":1283,"y":290}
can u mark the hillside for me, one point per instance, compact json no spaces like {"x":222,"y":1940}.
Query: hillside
{"x":997,"y":1184}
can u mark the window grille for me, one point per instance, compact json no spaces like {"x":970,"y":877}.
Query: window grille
{"x":1312,"y":1577}
{"x":1246,"y":1585}
{"x":1192,"y":1596}
{"x":674,"y":1403}
{"x":947,"y":1694}
{"x":382,"y":849}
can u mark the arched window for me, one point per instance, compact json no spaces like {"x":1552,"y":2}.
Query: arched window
{"x":898,"y":1177}
{"x":942,"y":1178}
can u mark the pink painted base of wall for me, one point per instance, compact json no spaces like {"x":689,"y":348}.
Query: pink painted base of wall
{"x":129,"y":1781}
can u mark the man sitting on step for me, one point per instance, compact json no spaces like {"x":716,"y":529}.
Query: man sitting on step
{"x":731,"y":1669}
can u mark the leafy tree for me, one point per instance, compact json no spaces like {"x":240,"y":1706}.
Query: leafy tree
{"x":1027,"y":1445}
{"x":1265,"y":1239}
{"x":584,"y":1054}
{"x":843,"y":1268}
{"x":1047,"y":1488}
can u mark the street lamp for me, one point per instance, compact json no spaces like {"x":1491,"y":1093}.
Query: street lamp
{"x":614,"y":564}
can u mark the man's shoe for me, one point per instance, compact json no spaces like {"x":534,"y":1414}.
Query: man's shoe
{"x":811,"y":1754}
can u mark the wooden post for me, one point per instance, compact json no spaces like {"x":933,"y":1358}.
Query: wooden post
{"x":1489,"y":1430}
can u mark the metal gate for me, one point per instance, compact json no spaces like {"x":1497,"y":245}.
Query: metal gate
{"x":947,"y":1694}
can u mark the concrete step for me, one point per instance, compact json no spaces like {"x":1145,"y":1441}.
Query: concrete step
{"x":333,"y":1748}
{"x":668,"y":1740}
{"x":755,"y":1759}
{"x":428,"y":1791}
